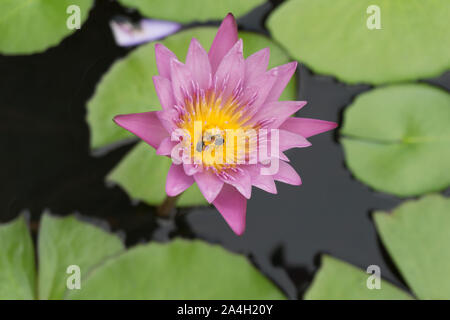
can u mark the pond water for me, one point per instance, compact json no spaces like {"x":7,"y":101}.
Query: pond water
{"x":46,"y":164}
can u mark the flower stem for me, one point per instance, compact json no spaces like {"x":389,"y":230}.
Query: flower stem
{"x":166,"y":209}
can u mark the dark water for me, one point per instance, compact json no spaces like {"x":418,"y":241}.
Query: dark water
{"x":46,"y":163}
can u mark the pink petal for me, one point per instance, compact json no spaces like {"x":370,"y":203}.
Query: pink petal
{"x":181,"y":78}
{"x":177,"y":181}
{"x":166,"y":146}
{"x":163,"y":57}
{"x":289,"y":140}
{"x":256,"y":65}
{"x":266,"y":183}
{"x":287,"y":174}
{"x":197,"y":61}
{"x":283,"y":157}
{"x":144,"y":125}
{"x":263,"y":182}
{"x":259,"y":88}
{"x":166,"y":117}
{"x":241,"y":180}
{"x":230,"y":72}
{"x":209,"y":184}
{"x":265,"y":152}
{"x":284,"y":74}
{"x":191,"y":169}
{"x":225,"y":38}
{"x":307,"y":127}
{"x":277,"y":112}
{"x":163,"y":87}
{"x":232,"y":206}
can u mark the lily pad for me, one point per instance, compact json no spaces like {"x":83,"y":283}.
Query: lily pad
{"x":339,"y":280}
{"x":68,"y":241}
{"x":193,"y":10}
{"x":416,"y":236}
{"x":332,"y":37}
{"x":128,"y":88}
{"x":177,"y":270}
{"x":397,"y":139}
{"x":32,"y":26}
{"x":17,"y":268}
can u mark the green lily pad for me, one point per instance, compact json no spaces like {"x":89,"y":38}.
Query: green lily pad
{"x":30,"y":26}
{"x":142,"y":173}
{"x":417,"y":237}
{"x":397,"y":139}
{"x":338,"y":280}
{"x":332,"y":37}
{"x":193,"y":10}
{"x":68,"y":241}
{"x":128,"y":88}
{"x":17,"y":268}
{"x":180,"y":269}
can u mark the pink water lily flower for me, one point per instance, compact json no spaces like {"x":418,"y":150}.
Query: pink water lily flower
{"x":222,"y":91}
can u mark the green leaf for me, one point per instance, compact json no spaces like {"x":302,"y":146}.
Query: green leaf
{"x":338,"y":280}
{"x":332,"y":37}
{"x":128,"y":88}
{"x":30,"y":26}
{"x":417,"y":236}
{"x":193,"y":10}
{"x":17,"y":268}
{"x":68,"y":241}
{"x":397,"y":139}
{"x":142,"y":173}
{"x":177,"y":270}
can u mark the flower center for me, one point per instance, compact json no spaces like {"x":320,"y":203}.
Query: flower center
{"x":219,"y":131}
